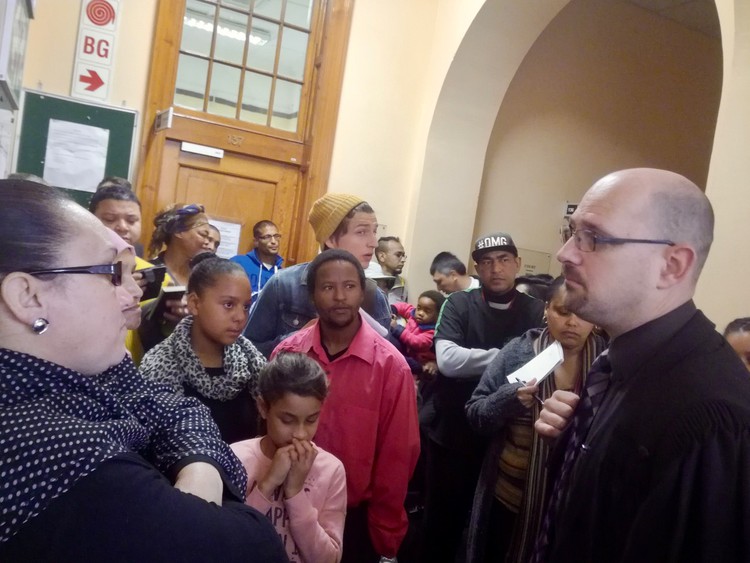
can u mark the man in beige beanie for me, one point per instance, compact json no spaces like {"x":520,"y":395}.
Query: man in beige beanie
{"x":343,"y":221}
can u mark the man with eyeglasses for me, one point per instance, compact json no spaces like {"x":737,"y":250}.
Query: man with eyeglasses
{"x":391,"y":257}
{"x":473,"y":326}
{"x":263,"y":261}
{"x":652,"y":462}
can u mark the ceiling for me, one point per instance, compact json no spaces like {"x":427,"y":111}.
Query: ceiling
{"x":699,"y":15}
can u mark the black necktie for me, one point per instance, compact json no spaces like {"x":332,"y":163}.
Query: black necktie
{"x":594,"y":390}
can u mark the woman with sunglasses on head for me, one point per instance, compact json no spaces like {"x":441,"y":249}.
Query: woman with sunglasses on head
{"x":180,"y":233}
{"x":510,"y":493}
{"x":96,"y":462}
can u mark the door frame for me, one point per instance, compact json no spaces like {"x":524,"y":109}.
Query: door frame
{"x":312,"y":154}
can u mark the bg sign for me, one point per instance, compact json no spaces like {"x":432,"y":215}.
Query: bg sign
{"x":97,"y":31}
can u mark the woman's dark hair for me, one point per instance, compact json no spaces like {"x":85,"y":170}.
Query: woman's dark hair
{"x":738,"y":325}
{"x":343,"y":227}
{"x":33,"y":226}
{"x":537,"y":286}
{"x":437,"y":297}
{"x":329,"y":255}
{"x":113,"y":187}
{"x":28,"y":177}
{"x":292,"y":372}
{"x":200,"y":257}
{"x":171,"y":220}
{"x":208,"y":269}
{"x":553,"y":288}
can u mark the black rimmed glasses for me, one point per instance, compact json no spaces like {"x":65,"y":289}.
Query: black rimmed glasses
{"x":112,"y":270}
{"x":586,"y":240}
{"x":267,"y":238}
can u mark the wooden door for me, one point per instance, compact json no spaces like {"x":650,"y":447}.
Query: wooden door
{"x":237,"y":188}
{"x":265,"y":173}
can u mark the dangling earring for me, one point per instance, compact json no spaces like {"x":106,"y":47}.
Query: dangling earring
{"x":544,"y":320}
{"x":40,"y":326}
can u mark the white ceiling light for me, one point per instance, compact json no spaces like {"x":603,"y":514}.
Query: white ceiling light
{"x":258,"y":37}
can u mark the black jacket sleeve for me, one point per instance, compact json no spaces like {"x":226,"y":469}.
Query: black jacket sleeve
{"x":699,"y":508}
{"x":127,"y":511}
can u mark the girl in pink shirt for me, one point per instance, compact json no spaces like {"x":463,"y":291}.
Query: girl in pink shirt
{"x":299,"y":487}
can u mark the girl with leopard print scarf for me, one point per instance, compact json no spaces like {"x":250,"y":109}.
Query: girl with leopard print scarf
{"x":206,"y":356}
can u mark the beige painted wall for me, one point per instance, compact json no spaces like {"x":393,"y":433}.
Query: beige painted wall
{"x":724,"y":289}
{"x":606,"y":86}
{"x":51,"y":50}
{"x":480,"y":71}
{"x":384,"y":86}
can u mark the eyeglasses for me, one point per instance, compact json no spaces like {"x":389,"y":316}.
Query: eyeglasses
{"x":586,"y":240}
{"x":112,"y":270}
{"x":267,"y":238}
{"x":192,"y":209}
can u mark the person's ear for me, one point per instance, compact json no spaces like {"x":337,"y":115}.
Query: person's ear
{"x":679,"y":263}
{"x":25,"y":297}
{"x":519,"y":262}
{"x":193,"y":302}
{"x":330,"y":242}
{"x":262,"y":407}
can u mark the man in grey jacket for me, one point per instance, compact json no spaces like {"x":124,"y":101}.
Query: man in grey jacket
{"x":473,"y":325}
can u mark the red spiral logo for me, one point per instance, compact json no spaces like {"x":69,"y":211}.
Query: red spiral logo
{"x":100,"y":12}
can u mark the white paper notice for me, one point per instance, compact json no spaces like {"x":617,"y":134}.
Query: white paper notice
{"x":76,"y":155}
{"x":540,"y":366}
{"x":230,"y":238}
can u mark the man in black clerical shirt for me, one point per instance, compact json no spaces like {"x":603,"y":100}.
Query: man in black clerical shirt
{"x":662,"y":470}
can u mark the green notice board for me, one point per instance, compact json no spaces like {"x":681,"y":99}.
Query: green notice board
{"x":39,"y":109}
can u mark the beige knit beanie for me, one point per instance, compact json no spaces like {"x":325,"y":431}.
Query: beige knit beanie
{"x":328,"y":212}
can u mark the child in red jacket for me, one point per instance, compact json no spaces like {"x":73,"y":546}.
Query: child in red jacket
{"x":416,"y":336}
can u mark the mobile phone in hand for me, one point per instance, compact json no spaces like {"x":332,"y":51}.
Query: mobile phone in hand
{"x":155,"y":277}
{"x":167,"y":293}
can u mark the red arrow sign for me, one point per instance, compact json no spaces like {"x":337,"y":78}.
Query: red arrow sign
{"x":93,"y":80}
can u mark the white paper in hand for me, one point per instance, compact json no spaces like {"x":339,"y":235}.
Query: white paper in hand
{"x":540,"y":366}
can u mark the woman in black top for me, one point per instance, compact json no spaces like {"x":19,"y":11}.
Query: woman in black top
{"x":95,"y":462}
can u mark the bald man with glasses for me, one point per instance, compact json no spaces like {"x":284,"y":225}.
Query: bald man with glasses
{"x":652,"y":461}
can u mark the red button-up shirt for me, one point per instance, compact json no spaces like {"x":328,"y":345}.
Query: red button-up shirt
{"x":369,"y":421}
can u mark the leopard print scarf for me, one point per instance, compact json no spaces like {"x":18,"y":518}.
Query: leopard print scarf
{"x":173,"y":362}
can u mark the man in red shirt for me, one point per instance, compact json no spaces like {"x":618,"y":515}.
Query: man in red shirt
{"x":369,"y":419}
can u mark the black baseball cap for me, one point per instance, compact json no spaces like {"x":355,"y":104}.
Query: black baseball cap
{"x":492,"y":242}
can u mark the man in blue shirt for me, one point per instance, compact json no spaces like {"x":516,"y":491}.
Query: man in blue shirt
{"x":263,"y":261}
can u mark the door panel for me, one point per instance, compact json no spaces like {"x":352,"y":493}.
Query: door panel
{"x":236,"y":188}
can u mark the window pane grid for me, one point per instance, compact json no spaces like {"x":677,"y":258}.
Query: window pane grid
{"x":253,"y":60}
